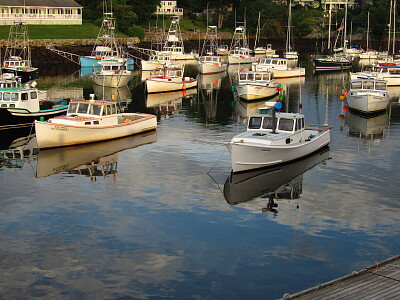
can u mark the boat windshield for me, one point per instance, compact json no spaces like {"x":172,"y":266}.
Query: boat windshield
{"x":286,"y":124}
{"x":255,"y":122}
{"x":95,"y":110}
{"x":268,"y":123}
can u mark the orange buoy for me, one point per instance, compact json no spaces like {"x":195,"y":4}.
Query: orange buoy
{"x":183,"y":87}
{"x":342,"y":98}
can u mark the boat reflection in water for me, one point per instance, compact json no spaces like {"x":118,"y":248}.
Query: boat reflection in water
{"x":95,"y":159}
{"x":169,"y":103}
{"x":122,"y":94}
{"x":19,"y":150}
{"x":369,"y":130}
{"x":280,"y":182}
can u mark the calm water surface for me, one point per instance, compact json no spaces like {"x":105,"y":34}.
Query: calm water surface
{"x":159,"y":215}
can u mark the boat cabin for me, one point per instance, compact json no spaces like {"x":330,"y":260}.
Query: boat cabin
{"x":19,"y":97}
{"x":279,"y":63}
{"x":368,"y":84}
{"x":255,"y":76}
{"x":171,"y":71}
{"x":173,"y":49}
{"x":382,"y":68}
{"x":101,"y":52}
{"x":160,"y":58}
{"x":240,"y":51}
{"x":91,"y":108}
{"x":15,"y":62}
{"x":112,"y":65}
{"x":283,"y":122}
{"x":210,"y":59}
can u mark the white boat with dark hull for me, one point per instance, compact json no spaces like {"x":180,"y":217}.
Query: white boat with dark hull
{"x":331,"y":63}
{"x":91,"y":121}
{"x":113,"y":73}
{"x":274,"y":138}
{"x":21,"y":105}
{"x":169,"y":79}
{"x":256,"y":85}
{"x":17,"y":57}
{"x":368,"y":96}
{"x":279,"y":67}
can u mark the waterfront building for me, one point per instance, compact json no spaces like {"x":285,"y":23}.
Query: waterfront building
{"x":40,"y":12}
{"x":169,"y":8}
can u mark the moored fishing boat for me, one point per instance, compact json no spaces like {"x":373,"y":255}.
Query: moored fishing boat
{"x":155,"y":62}
{"x":168,"y":79}
{"x":279,"y":67}
{"x":367,"y":96}
{"x":274,"y":138}
{"x":90,"y":121}
{"x":22,"y":104}
{"x":331,"y":63}
{"x":17,"y":57}
{"x":256,"y":85}
{"x":113,"y":73}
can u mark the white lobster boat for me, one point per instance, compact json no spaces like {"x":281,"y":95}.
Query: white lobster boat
{"x":368,"y":95}
{"x":168,"y":79}
{"x":113,"y":73}
{"x":90,"y":121}
{"x":256,"y":85}
{"x":278,"y":66}
{"x":211,"y":64}
{"x":274,"y":138}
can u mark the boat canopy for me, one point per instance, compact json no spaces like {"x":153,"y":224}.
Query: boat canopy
{"x":368,"y":84}
{"x":92,"y":108}
{"x":283,"y":122}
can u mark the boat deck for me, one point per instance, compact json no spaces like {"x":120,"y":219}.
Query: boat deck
{"x":379,"y":281}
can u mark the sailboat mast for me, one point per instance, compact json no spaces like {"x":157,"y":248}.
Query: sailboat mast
{"x":288,"y":47}
{"x":329,"y":25}
{"x":394,"y":26}
{"x":390,"y":25}
{"x":345,"y":28}
{"x":368,"y":32}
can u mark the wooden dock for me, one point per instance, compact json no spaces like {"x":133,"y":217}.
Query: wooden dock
{"x":379,"y":281}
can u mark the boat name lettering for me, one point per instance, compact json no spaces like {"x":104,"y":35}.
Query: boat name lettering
{"x":60,"y":128}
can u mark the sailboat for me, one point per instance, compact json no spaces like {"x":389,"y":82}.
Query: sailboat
{"x":106,"y":46}
{"x":331,"y":62}
{"x":369,"y":54}
{"x":17,"y":57}
{"x":290,"y":53}
{"x":209,"y":62}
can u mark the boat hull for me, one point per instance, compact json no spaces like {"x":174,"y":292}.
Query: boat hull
{"x":211,"y":68}
{"x":114,"y":80}
{"x":288,"y":73}
{"x":22,"y":117}
{"x":91,"y":61}
{"x":242,"y":59}
{"x":367,"y":104}
{"x":159,"y":85}
{"x":331,"y":65}
{"x":250,"y":156}
{"x":24,"y":74}
{"x":249,"y":92}
{"x":51,"y":135}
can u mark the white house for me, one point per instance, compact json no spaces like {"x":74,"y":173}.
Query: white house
{"x":168,"y":7}
{"x":43,"y":12}
{"x":337,"y":4}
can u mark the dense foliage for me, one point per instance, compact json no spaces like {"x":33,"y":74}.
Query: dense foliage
{"x":132,"y":15}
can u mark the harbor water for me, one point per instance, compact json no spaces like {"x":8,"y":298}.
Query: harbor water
{"x":159,"y":215}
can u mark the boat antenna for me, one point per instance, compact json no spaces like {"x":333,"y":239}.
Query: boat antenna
{"x":300,"y":102}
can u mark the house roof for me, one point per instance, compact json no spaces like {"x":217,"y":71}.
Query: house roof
{"x":41,"y":3}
